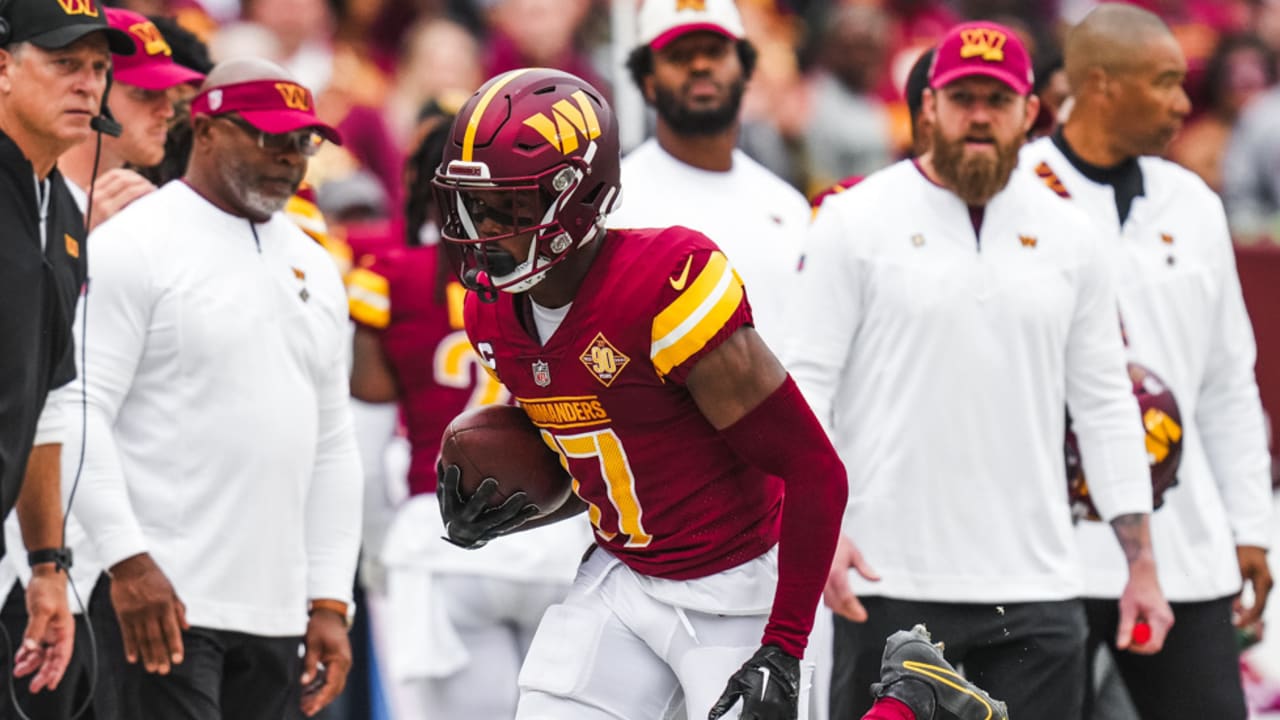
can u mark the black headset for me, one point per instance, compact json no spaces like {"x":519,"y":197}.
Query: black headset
{"x":4,"y":23}
{"x":104,"y":122}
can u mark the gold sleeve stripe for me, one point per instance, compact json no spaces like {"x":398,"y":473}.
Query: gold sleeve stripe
{"x":685,"y":326}
{"x":369,"y":298}
{"x":473,"y":122}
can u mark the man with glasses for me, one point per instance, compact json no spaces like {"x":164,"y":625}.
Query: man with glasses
{"x":220,"y":450}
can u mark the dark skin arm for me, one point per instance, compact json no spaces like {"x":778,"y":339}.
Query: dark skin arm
{"x":327,"y":643}
{"x":735,"y":377}
{"x":150,"y":614}
{"x":372,"y":378}
{"x":1254,"y":571}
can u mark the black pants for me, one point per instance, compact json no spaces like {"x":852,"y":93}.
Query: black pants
{"x":223,"y":675}
{"x":1195,"y":676}
{"x":1030,"y":655}
{"x":78,"y":681}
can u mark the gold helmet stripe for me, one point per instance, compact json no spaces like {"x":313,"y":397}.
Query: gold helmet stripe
{"x":473,"y":122}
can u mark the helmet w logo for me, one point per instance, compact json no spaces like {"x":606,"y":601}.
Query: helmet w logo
{"x":295,"y":97}
{"x":153,"y":42}
{"x":79,"y":7}
{"x":571,"y":119}
{"x":985,"y":43}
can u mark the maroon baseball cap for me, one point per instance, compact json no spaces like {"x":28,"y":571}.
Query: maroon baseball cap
{"x":151,"y":66}
{"x":272,"y":106}
{"x":982,"y":48}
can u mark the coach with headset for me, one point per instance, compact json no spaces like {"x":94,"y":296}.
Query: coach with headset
{"x":54,"y":58}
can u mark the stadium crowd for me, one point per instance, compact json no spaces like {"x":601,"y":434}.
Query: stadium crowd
{"x":216,"y":345}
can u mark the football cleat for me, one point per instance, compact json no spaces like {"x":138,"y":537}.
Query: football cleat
{"x":914,"y":673}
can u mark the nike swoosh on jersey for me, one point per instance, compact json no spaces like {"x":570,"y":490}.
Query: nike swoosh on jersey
{"x":677,"y":284}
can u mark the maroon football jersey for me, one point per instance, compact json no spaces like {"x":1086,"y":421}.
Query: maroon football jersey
{"x":394,"y":292}
{"x":666,"y":493}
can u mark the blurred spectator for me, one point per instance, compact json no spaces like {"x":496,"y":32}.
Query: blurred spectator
{"x":439,"y":57}
{"x":538,"y":33}
{"x":304,"y":30}
{"x":774,"y":112}
{"x":692,"y":65}
{"x":1251,"y":170}
{"x":1241,"y":68}
{"x":919,"y":24}
{"x":1266,"y":22}
{"x":849,"y":129}
{"x":1053,"y":90}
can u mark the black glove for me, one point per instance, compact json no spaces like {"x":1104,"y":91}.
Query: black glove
{"x":470,"y":522}
{"x":769,"y":685}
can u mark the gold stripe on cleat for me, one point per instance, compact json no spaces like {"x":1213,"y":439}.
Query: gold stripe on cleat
{"x":948,"y":678}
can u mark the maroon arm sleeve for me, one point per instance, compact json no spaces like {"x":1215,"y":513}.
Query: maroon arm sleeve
{"x":782,"y":437}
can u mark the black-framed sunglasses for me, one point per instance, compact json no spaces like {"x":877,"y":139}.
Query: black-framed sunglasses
{"x":304,"y":140}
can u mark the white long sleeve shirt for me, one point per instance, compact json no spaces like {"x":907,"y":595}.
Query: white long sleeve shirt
{"x":941,"y":360}
{"x":219,"y":431}
{"x":1185,"y":319}
{"x":753,"y":215}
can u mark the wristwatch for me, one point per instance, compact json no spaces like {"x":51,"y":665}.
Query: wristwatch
{"x":60,"y":557}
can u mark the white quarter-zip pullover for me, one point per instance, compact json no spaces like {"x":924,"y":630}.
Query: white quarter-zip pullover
{"x":940,"y":358}
{"x":1185,"y":319}
{"x":219,"y":431}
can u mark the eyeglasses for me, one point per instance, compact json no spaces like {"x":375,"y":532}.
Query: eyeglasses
{"x":304,"y":140}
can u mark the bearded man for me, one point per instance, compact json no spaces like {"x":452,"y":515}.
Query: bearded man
{"x":220,"y":467}
{"x":692,"y":66}
{"x":948,"y":308}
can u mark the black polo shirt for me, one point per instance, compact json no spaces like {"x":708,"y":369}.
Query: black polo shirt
{"x":38,"y":294}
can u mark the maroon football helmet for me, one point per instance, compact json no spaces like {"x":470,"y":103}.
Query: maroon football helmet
{"x":534,"y":155}
{"x":1163,"y":425}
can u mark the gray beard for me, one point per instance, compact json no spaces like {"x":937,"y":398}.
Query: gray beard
{"x":253,"y":200}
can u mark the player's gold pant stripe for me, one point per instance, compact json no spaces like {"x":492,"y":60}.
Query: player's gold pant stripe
{"x":950,"y":679}
{"x":685,"y":326}
{"x":368,"y":298}
{"x":473,"y":122}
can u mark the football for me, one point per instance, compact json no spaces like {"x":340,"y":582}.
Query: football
{"x":500,"y":442}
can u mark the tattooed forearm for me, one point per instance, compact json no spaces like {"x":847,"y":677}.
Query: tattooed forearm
{"x":1134,"y":534}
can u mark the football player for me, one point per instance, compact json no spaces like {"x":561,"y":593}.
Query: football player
{"x":1167,"y":242}
{"x":713,"y":492}
{"x":947,"y":309}
{"x":478,"y":617}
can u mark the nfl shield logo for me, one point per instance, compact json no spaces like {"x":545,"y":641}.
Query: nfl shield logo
{"x":215,"y":99}
{"x":541,"y":373}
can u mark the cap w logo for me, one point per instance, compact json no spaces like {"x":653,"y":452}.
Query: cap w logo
{"x":570,"y":120}
{"x":985,"y":43}
{"x":694,"y":5}
{"x":79,"y":7}
{"x":295,"y":97}
{"x":152,"y":41}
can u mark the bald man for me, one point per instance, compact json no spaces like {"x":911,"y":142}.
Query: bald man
{"x":220,"y":460}
{"x":1183,"y":317}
